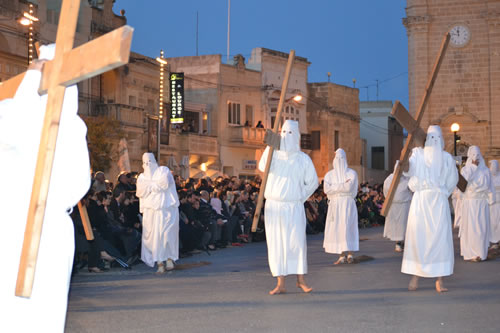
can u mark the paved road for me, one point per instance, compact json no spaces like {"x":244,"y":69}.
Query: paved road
{"x":230,"y":295}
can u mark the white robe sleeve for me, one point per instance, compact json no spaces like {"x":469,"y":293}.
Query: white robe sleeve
{"x":452,"y":176}
{"x":310,"y":178}
{"x":161,"y":184}
{"x":387,"y":184}
{"x":143,"y":186}
{"x":477,"y":180}
{"x":348,"y":186}
{"x":263,"y":160}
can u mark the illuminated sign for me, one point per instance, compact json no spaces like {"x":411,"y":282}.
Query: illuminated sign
{"x":249,"y":164}
{"x":177,"y":98}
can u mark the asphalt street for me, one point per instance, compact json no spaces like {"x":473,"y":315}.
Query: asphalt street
{"x":228,"y":292}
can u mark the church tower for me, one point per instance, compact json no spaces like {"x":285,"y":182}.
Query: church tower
{"x":467,"y":90}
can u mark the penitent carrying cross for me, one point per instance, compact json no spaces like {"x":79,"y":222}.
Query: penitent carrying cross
{"x":68,"y":67}
{"x":416,"y":135}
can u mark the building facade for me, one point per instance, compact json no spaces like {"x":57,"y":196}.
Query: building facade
{"x":466,"y":88}
{"x":333,"y":122}
{"x":383,"y":135}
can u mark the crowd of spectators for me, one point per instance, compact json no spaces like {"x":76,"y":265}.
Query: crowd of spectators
{"x":213,"y":214}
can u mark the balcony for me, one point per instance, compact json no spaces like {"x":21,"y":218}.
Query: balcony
{"x":127,"y":115}
{"x":248,"y":136}
{"x":190,"y":143}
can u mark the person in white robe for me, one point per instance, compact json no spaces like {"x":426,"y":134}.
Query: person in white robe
{"x":429,"y":240}
{"x":291,"y":181}
{"x":341,"y":228}
{"x":456,"y":198}
{"x":495,"y":208}
{"x":397,"y":218}
{"x":475,"y":221}
{"x":158,"y":202}
{"x":21,"y":121}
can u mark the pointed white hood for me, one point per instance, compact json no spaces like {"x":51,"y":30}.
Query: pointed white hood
{"x":339,"y":166}
{"x":149,"y":164}
{"x":290,"y":137}
{"x":474,"y":154}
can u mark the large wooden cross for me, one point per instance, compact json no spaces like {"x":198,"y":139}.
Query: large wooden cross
{"x":272,"y":137}
{"x":416,"y":135}
{"x":68,"y":67}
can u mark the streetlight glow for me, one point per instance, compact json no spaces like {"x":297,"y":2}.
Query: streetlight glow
{"x":161,"y":60}
{"x":30,"y":17}
{"x":24,"y":21}
{"x":297,"y":98}
{"x":455,"y":127}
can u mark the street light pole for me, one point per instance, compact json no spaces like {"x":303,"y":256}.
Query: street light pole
{"x":455,"y":142}
{"x":163,"y":63}
{"x":455,"y":128}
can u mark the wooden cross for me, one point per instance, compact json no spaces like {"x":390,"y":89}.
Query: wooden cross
{"x":68,"y":67}
{"x":271,"y":137}
{"x":416,"y":135}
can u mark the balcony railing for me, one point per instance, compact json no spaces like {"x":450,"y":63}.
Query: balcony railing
{"x":126,"y":114}
{"x":194,"y":143}
{"x":246,"y":135}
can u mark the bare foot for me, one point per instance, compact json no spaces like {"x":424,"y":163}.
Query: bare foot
{"x":305,"y":288}
{"x":439,"y":286}
{"x":161,"y":269}
{"x":413,"y":284}
{"x":278,"y":290}
{"x":340,"y":261}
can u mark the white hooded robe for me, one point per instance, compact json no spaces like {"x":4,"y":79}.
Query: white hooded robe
{"x":21,"y":120}
{"x":475,"y":221}
{"x":291,"y":181}
{"x":456,"y":199}
{"x":397,"y":218}
{"x":158,"y":201}
{"x":429,"y":240}
{"x":341,"y":186}
{"x":495,"y":208}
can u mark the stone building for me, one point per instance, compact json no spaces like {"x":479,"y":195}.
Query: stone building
{"x":383,"y":135}
{"x":466,"y":90}
{"x":333,"y":122}
{"x":220,"y":100}
{"x":14,"y":37}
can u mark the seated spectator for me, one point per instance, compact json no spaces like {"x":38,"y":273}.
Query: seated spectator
{"x":99,"y":183}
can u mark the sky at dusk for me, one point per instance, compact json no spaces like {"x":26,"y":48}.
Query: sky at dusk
{"x":361,"y":39}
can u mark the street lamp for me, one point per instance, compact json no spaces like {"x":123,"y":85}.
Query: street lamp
{"x":163,"y":63}
{"x":455,"y":128}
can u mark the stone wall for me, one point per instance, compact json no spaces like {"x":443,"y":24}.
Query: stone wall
{"x":330,"y":108}
{"x":466,"y":90}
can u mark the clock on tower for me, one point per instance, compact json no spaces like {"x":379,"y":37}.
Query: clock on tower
{"x":460,"y":35}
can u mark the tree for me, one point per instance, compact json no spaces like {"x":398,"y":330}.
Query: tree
{"x":103,"y":135}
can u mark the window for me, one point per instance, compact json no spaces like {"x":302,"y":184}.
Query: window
{"x":132,"y":100}
{"x":315,"y":140}
{"x":233,"y":113}
{"x":336,"y":142}
{"x":378,"y":158}
{"x":249,"y":115}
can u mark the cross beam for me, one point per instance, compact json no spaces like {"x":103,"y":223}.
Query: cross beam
{"x":68,"y":67}
{"x":284,"y":87}
{"x":415,"y":136}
